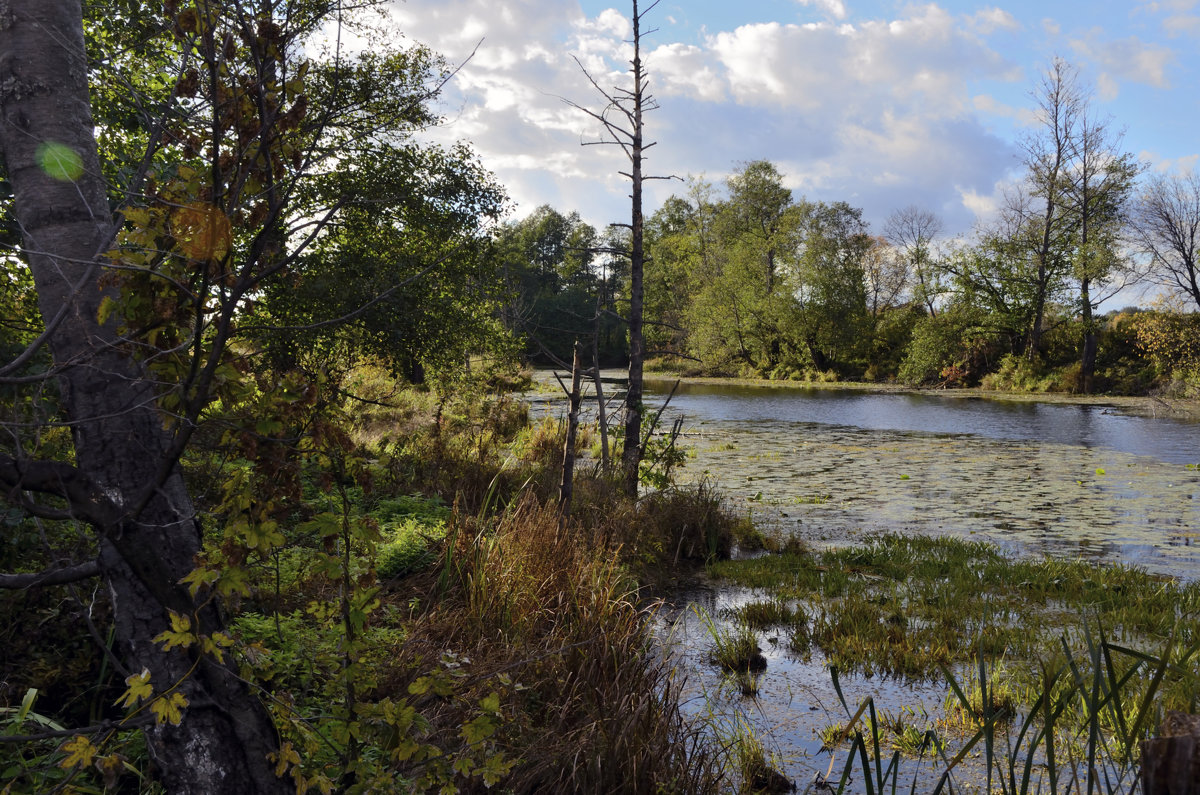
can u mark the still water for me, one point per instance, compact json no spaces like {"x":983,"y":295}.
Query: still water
{"x":832,"y":465}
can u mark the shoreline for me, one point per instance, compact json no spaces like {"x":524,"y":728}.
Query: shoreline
{"x":1136,"y":405}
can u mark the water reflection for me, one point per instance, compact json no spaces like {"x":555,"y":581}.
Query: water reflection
{"x":1168,"y":440}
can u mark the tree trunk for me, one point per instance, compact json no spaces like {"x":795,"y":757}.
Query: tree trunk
{"x":566,"y":486}
{"x":632,"y":454}
{"x":1087,"y":353}
{"x":139,"y":506}
{"x":1171,"y":761}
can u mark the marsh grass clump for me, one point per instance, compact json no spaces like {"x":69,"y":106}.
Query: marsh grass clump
{"x":528,"y":602}
{"x":753,"y":767}
{"x":910,"y":604}
{"x":832,"y":735}
{"x":680,"y":526}
{"x":765,"y":613}
{"x":734,"y":647}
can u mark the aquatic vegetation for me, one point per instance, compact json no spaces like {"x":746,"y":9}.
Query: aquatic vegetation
{"x":754,"y":768}
{"x":761,"y":614}
{"x":734,"y":648}
{"x":831,"y":736}
{"x":909,"y":604}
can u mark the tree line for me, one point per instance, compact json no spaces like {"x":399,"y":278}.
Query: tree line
{"x":752,"y":280}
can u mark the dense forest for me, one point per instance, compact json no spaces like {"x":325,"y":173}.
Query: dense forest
{"x":273,"y":520}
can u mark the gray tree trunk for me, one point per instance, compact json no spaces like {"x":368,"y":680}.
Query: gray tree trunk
{"x":632,"y":453}
{"x":124,"y":481}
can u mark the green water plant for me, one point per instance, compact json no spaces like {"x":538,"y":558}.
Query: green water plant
{"x":734,"y":647}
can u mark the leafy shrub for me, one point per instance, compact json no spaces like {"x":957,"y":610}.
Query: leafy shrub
{"x":411,"y":527}
{"x":942,"y":350}
{"x":410,"y":550}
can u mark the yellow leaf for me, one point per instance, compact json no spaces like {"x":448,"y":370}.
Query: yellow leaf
{"x":79,"y":751}
{"x":178,"y":634}
{"x":202,"y":231}
{"x":286,"y":757}
{"x":107,"y":306}
{"x":169,"y":709}
{"x":138,"y":688}
{"x":200,"y":577}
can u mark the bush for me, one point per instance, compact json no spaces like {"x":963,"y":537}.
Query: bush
{"x":947,"y":349}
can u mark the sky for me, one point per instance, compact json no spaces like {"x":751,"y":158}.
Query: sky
{"x":880,"y":104}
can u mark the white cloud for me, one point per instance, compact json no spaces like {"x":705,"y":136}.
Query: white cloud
{"x":611,"y":21}
{"x":878,"y":112}
{"x":986,"y":103}
{"x":1129,"y":58}
{"x":1168,"y":165}
{"x":1177,"y":15}
{"x":833,"y":8}
{"x":686,"y":69}
{"x":983,"y":206}
{"x":990,"y":20}
{"x":1107,"y":88}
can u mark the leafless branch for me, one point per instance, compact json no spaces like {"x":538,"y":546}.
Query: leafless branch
{"x":58,"y":576}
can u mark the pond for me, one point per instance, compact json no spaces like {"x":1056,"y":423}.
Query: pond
{"x":831,"y":465}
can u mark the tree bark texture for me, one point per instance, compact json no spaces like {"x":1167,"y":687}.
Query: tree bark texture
{"x":632,"y":453}
{"x":566,"y":486}
{"x":137,"y":503}
{"x":1171,"y":761}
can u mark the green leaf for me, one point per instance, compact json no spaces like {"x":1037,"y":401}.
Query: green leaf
{"x":490,"y":703}
{"x":59,"y":161}
{"x":478,"y":729}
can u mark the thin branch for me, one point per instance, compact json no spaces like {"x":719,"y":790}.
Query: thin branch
{"x":96,"y":728}
{"x":59,"y":576}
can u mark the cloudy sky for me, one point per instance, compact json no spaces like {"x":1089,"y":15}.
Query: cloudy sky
{"x":879,"y":103}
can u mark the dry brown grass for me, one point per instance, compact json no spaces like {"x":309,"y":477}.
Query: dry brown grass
{"x":596,"y":709}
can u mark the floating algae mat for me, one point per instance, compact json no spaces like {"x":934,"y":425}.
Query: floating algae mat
{"x":833,"y":484}
{"x":829,"y":466}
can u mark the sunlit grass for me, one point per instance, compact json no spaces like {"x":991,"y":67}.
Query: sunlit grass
{"x":909,"y":604}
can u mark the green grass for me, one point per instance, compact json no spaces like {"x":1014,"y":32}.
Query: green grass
{"x":909,"y":604}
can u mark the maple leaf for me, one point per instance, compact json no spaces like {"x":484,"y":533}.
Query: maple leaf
{"x":79,"y":751}
{"x":169,"y":708}
{"x":138,"y":688}
{"x":178,"y":635}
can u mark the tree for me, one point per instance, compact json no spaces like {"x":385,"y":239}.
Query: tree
{"x":554,"y":293}
{"x":914,"y":232}
{"x":151,"y":308}
{"x":1099,"y":183}
{"x":622,"y":120}
{"x":829,"y":283}
{"x":123,"y":481}
{"x":886,"y":275}
{"x":1167,"y":228}
{"x":1060,"y":106}
{"x":756,"y":216}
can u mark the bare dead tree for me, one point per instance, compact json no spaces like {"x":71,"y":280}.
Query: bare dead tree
{"x":914,"y":231}
{"x":1166,"y":221}
{"x":622,"y":122}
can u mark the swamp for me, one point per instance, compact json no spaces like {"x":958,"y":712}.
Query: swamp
{"x":920,"y":550}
